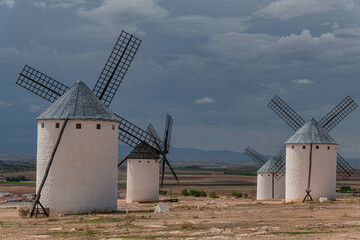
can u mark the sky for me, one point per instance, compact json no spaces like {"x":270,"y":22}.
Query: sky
{"x":212,"y":65}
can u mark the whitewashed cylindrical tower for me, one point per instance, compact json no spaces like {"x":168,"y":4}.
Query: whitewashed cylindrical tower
{"x":142,"y":181}
{"x":310,"y":164}
{"x":268,"y":186}
{"x":83,"y":175}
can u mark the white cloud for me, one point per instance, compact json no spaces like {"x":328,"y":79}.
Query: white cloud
{"x":122,"y":14}
{"x":5,"y":104}
{"x":302,"y":81}
{"x":202,"y":25}
{"x":35,"y":108}
{"x":9,"y":3}
{"x":351,"y":31}
{"x":62,"y":4}
{"x":287,"y":9}
{"x":204,"y":100}
{"x":293,"y":51}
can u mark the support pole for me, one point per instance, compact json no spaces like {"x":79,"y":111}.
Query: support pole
{"x":308,"y":196}
{"x":273,"y":186}
{"x":38,"y":194}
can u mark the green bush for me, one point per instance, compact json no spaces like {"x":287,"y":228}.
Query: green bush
{"x":197,"y":193}
{"x":162,"y":192}
{"x":185,"y":192}
{"x":236,"y":194}
{"x":345,"y":189}
{"x":16,"y":179}
{"x":246,"y":195}
{"x":202,"y":194}
{"x":214,"y":195}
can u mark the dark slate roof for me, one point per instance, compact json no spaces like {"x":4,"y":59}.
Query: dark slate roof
{"x":143,"y":151}
{"x":267,"y":166}
{"x":311,"y":132}
{"x":79,"y":103}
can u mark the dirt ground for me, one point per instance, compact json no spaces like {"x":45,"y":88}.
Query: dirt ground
{"x":196,"y":218}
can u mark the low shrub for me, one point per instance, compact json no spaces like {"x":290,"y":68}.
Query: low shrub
{"x":214,"y":195}
{"x":184,"y":192}
{"x":162,"y":192}
{"x":236,"y":194}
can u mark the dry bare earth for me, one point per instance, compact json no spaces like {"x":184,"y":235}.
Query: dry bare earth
{"x":196,"y":218}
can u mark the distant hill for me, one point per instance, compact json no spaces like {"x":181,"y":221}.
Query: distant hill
{"x":28,"y":151}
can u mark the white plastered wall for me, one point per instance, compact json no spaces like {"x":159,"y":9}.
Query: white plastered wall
{"x":264,"y":187}
{"x":323,"y":171}
{"x":142,"y":179}
{"x":83,"y":176}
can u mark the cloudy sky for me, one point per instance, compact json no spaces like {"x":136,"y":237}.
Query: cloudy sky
{"x":213,"y":65}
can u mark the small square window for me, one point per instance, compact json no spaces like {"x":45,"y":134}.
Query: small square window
{"x":304,"y":147}
{"x":78,"y":126}
{"x":328,"y":148}
{"x":139,"y":161}
{"x":292,"y":146}
{"x":148,"y":161}
{"x":57,"y":125}
{"x":113,"y":127}
{"x":317,"y":147}
{"x":42,"y":125}
{"x":98,"y":126}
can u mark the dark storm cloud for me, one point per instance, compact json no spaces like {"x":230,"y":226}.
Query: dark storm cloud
{"x":230,"y":57}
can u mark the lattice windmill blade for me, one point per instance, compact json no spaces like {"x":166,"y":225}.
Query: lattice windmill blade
{"x":254,"y":155}
{"x":166,"y":161}
{"x":279,"y":167}
{"x":41,"y":84}
{"x":150,"y":129}
{"x":167,"y":132}
{"x":116,"y":67}
{"x":286,"y":113}
{"x":132,"y":135}
{"x":343,"y":168}
{"x":338,"y":113}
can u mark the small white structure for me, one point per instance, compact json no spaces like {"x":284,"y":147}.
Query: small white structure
{"x":142,"y":181}
{"x":83,"y":175}
{"x":310,"y":164}
{"x":268,"y":187}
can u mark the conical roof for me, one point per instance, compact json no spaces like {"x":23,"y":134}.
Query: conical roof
{"x":267,"y":166}
{"x":311,"y":132}
{"x":78,"y":103}
{"x":143,"y":151}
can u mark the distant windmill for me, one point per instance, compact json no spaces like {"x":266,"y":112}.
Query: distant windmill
{"x":105,"y":89}
{"x":143,"y":166}
{"x":328,"y":122}
{"x":268,"y":187}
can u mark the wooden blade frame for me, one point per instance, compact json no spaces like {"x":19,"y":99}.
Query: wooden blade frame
{"x":338,"y":113}
{"x":116,"y":67}
{"x":254,"y":155}
{"x":167,"y":132}
{"x":41,"y":84}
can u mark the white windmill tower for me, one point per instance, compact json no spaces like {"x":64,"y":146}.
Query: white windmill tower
{"x":268,"y":187}
{"x":83,"y":176}
{"x":142,"y":179}
{"x":310,"y":164}
{"x":105,"y":89}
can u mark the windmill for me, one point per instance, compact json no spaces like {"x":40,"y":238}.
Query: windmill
{"x":310,"y":164}
{"x":105,"y":89}
{"x":268,"y":187}
{"x":328,"y":122}
{"x":143,"y":166}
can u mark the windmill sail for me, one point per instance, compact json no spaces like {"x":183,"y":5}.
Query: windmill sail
{"x":116,"y":67}
{"x":41,"y":84}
